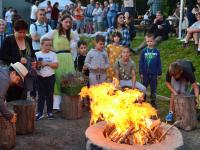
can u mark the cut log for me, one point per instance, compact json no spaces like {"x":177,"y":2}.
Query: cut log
{"x":25,"y":110}
{"x":184,"y":110}
{"x":7,"y":134}
{"x":71,"y":107}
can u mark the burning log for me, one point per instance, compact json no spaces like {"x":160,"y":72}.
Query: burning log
{"x":128,"y":132}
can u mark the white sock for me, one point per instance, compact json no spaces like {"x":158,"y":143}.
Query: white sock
{"x":198,"y":49}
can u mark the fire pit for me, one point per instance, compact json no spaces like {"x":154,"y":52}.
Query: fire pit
{"x":129,"y":123}
{"x":96,"y":140}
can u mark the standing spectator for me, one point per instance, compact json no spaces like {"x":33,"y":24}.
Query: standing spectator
{"x":129,"y":23}
{"x":97,"y":62}
{"x":114,"y":51}
{"x":4,"y":12}
{"x":8,"y":18}
{"x":129,"y":6}
{"x":104,"y":15}
{"x":48,"y":12}
{"x":150,"y":67}
{"x":119,"y":25}
{"x":38,"y":29}
{"x":54,"y":15}
{"x":46,"y":77}
{"x":190,"y":5}
{"x":97,"y":17}
{"x":155,"y":6}
{"x":34,"y":9}
{"x":79,"y":18}
{"x":19,"y":50}
{"x":179,"y":75}
{"x":159,"y":28}
{"x":15,"y":16}
{"x":8,"y":77}
{"x":112,"y":13}
{"x":64,"y":41}
{"x":2,"y":31}
{"x":88,"y":17}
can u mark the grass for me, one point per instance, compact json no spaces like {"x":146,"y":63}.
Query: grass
{"x":170,"y":51}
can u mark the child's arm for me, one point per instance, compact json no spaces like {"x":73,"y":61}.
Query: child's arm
{"x":88,"y":60}
{"x":133,"y":78}
{"x":141,"y":66}
{"x":159,"y":72}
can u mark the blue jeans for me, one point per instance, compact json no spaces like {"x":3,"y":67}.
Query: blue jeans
{"x":111,"y":19}
{"x":9,"y":28}
{"x":54,"y":24}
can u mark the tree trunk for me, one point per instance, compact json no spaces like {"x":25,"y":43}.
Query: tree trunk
{"x":7,"y":134}
{"x":185,"y":112}
{"x":25,"y":110}
{"x":71,"y":107}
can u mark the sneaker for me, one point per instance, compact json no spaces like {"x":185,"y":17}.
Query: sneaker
{"x":39,"y":116}
{"x":50,"y":116}
{"x":185,"y":45}
{"x":169,"y":117}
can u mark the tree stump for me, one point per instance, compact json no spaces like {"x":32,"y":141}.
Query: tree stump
{"x":185,"y":112}
{"x":7,"y":134}
{"x":25,"y":110}
{"x":71,"y":107}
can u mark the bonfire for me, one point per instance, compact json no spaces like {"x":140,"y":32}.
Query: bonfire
{"x":128,"y":119}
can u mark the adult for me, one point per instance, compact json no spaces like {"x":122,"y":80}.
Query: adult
{"x":97,"y":17}
{"x":54,"y":15}
{"x":190,"y":5}
{"x":8,"y":18}
{"x":64,"y":40}
{"x":15,"y":16}
{"x":19,"y":50}
{"x":12,"y":76}
{"x":119,"y":25}
{"x":104,"y":14}
{"x":159,"y":28}
{"x":88,"y":17}
{"x":79,"y":18}
{"x":129,"y":6}
{"x":39,"y":28}
{"x":155,"y":6}
{"x":179,"y":75}
{"x":48,"y":11}
{"x":2,"y":31}
{"x":112,"y":13}
{"x":34,"y":9}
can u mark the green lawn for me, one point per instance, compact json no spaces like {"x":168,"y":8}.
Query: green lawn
{"x":170,"y":51}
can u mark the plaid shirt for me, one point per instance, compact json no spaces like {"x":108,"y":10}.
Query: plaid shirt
{"x":155,"y":5}
{"x":125,"y":36}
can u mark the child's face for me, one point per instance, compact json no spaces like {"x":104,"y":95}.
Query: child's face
{"x":150,"y":42}
{"x":125,"y":53}
{"x":116,"y":39}
{"x":82,"y":49}
{"x":46,"y":46}
{"x":100,"y":45}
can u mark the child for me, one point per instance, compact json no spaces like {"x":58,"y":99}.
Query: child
{"x":114,"y":51}
{"x":47,"y":63}
{"x":125,"y":71}
{"x":80,"y":59}
{"x":97,"y":62}
{"x":150,"y":67}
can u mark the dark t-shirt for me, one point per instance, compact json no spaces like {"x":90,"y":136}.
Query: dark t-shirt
{"x":188,"y":72}
{"x":79,"y":63}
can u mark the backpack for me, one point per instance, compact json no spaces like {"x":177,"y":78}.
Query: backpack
{"x":47,"y":28}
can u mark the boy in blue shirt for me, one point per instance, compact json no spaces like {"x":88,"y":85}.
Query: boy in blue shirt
{"x":150,"y":67}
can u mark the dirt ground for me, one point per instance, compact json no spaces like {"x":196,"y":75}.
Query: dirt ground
{"x":61,"y":134}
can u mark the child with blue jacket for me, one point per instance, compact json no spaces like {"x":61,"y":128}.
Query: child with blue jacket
{"x":150,"y":67}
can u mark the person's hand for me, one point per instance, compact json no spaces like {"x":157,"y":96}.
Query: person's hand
{"x":23,"y":60}
{"x":197,"y":102}
{"x":141,"y":77}
{"x":175,"y":93}
{"x":13,"y":119}
{"x":33,"y":65}
{"x":84,"y":69}
{"x":43,"y":64}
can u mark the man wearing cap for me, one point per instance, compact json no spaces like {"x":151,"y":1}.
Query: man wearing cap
{"x":8,"y":77}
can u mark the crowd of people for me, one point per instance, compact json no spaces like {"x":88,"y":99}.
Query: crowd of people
{"x":54,"y":48}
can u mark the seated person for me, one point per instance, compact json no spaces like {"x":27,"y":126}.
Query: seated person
{"x":193,"y":32}
{"x":159,"y":28}
{"x":125,"y":71}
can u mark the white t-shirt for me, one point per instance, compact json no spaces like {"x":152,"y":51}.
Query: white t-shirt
{"x":46,"y":57}
{"x":128,"y":3}
{"x":34,"y":9}
{"x":8,"y":16}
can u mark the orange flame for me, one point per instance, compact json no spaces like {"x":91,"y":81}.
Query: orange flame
{"x":119,"y":108}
